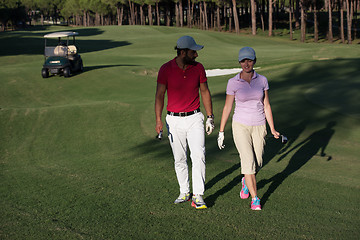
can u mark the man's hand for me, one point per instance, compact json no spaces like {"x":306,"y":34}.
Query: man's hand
{"x":159,"y":126}
{"x":220,"y":140}
{"x":209,"y":125}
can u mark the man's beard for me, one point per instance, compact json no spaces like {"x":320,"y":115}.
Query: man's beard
{"x":189,"y":61}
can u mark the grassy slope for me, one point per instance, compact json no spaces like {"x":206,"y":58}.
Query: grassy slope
{"x":78,"y":158}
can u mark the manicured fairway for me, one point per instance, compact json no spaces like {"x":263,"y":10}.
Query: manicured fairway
{"x":79,"y":159}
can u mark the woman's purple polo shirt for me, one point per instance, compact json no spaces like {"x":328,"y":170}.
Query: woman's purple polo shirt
{"x":249,"y":99}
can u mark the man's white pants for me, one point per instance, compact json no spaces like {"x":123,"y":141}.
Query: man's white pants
{"x":184,"y":131}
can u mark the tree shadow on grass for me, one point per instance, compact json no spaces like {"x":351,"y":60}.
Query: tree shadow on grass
{"x":307,"y":149}
{"x":32,"y":43}
{"x":91,"y":68}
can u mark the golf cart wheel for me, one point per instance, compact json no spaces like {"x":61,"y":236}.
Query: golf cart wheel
{"x":67,"y":72}
{"x":81,"y":67}
{"x":45,"y":73}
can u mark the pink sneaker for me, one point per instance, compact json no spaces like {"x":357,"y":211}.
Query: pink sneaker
{"x":255,"y":204}
{"x":244,"y":193}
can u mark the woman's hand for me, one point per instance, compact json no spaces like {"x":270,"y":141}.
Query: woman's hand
{"x":275,"y":133}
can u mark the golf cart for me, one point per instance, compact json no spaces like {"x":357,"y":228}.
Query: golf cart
{"x":63,"y":58}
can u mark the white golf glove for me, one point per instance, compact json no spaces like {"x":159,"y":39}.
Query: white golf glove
{"x":209,"y":125}
{"x":220,"y":140}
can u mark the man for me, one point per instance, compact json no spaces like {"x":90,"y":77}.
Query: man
{"x":182,"y":78}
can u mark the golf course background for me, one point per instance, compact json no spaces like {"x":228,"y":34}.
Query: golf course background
{"x":79,"y":159}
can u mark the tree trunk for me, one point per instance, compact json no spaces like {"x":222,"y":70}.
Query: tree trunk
{"x":3,"y":23}
{"x":177,"y":17}
{"x":212,"y":18}
{"x":330,"y":34}
{"x":349,"y":20}
{"x":192,"y":14}
{"x":77,"y":20}
{"x":157,"y":13}
{"x":150,"y":15}
{"x":132,"y":13}
{"x":84,"y":19}
{"x":356,"y":8}
{"x":167,"y":11}
{"x":201,"y":23}
{"x":297,"y":13}
{"x":290,"y":19}
{"x":218,"y":17}
{"x":89,"y":19}
{"x":262,"y":15}
{"x":121,"y":14}
{"x":230,"y":19}
{"x":270,"y":17}
{"x":316,"y":24}
{"x":181,"y":13}
{"x":236,"y":19}
{"x":253,"y":17}
{"x":303,"y":22}
{"x":205,"y":17}
{"x":142,"y":15}
{"x":188,"y":20}
{"x":97,"y":19}
{"x":225,"y":16}
{"x":342,"y":34}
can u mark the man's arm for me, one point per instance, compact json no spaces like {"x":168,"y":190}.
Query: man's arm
{"x":159,"y":105}
{"x":206,"y":98}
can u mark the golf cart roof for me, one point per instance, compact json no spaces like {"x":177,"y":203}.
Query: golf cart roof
{"x":60,"y":34}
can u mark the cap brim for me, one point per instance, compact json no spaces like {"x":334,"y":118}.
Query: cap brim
{"x":196,"y":47}
{"x":242,"y":58}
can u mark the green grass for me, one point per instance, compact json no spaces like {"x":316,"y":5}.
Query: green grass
{"x":78,"y":158}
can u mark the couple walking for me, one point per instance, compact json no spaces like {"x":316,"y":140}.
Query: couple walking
{"x":182,"y":79}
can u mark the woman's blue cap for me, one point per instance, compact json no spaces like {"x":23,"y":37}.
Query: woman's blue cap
{"x":246,"y":53}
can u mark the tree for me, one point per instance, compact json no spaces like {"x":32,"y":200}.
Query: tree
{"x":303,"y":20}
{"x":43,"y":7}
{"x":70,"y":8}
{"x":236,"y":19}
{"x":290,"y":19}
{"x":342,"y":35}
{"x":205,"y":16}
{"x":270,"y":17}
{"x":316,"y":24}
{"x":119,"y":5}
{"x":253,"y":17}
{"x":132,"y":12}
{"x":330,"y":33}
{"x":157,"y":12}
{"x":349,"y":14}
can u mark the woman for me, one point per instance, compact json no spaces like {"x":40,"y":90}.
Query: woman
{"x":252,"y":110}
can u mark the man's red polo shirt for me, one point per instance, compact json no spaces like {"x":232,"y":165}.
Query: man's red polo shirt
{"x":182,"y":85}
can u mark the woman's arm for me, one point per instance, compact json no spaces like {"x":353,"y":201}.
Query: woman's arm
{"x":226,"y":111}
{"x":269,"y":116}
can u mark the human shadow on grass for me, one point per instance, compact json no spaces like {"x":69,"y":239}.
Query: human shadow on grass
{"x":307,"y":149}
{"x":272,"y":148}
{"x":210,"y":200}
